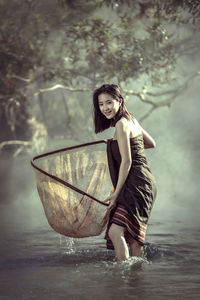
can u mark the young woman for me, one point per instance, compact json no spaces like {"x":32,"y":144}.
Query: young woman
{"x":134,"y":185}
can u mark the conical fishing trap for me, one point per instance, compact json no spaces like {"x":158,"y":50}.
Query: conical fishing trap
{"x":72,"y":183}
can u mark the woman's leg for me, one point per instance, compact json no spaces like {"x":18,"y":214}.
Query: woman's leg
{"x":116,"y":234}
{"x":136,"y":248}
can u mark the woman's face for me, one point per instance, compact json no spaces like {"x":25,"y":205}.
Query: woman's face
{"x":108,"y":105}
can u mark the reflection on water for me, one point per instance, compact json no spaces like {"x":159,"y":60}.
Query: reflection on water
{"x":41,"y":264}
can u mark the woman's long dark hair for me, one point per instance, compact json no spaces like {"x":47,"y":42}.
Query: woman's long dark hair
{"x":100,"y":121}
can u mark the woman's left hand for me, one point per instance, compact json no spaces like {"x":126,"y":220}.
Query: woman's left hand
{"x":112,"y":201}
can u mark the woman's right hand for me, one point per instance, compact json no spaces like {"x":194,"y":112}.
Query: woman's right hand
{"x":112,"y":201}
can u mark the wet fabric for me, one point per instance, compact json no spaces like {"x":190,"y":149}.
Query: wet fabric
{"x":135,"y":229}
{"x":139,"y":190}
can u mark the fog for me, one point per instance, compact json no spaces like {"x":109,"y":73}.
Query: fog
{"x":174,"y":161}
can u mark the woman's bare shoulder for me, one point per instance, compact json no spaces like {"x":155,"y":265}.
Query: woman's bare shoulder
{"x":122,"y":124}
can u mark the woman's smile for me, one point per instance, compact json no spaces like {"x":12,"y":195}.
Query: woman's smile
{"x":108,"y":113}
{"x":108,"y":105}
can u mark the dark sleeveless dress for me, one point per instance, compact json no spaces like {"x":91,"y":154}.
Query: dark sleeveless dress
{"x":138,"y":193}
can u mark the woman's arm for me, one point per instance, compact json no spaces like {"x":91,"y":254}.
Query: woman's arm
{"x":149,"y":142}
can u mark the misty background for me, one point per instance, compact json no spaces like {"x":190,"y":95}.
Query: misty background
{"x":54,"y":54}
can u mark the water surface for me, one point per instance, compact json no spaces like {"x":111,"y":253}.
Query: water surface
{"x":38,"y":263}
{"x":42,"y":264}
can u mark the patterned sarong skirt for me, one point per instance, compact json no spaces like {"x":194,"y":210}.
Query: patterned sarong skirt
{"x":133,"y":228}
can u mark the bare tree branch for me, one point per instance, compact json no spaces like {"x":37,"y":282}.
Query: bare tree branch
{"x":8,"y":53}
{"x":147,"y":114}
{"x":21,"y":78}
{"x":15,"y":142}
{"x":60,"y":86}
{"x":143,"y":96}
{"x":167,"y":102}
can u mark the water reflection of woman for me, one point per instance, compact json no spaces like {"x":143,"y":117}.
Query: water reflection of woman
{"x":134,"y":185}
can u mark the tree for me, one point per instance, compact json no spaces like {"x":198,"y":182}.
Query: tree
{"x":72,"y":45}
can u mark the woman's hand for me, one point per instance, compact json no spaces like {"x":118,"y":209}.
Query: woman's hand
{"x":112,"y":201}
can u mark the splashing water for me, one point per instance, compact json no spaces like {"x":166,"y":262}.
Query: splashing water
{"x":67,"y":244}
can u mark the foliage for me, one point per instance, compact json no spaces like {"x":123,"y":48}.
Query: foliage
{"x":170,"y":7}
{"x":74,"y":43}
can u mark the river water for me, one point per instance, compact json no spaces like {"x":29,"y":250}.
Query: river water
{"x":38,"y":263}
{"x":41,"y":264}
